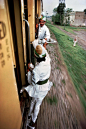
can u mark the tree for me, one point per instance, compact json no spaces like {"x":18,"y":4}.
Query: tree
{"x":67,"y":13}
{"x":56,"y":16}
{"x":85,"y":11}
{"x":60,"y":8}
{"x":84,"y":14}
{"x":60,"y":11}
{"x":69,"y":10}
{"x":55,"y":10}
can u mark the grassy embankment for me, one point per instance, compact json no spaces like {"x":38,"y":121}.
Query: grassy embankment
{"x":75,"y":60}
{"x":72,"y":29}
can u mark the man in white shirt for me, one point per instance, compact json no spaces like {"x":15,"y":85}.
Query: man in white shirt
{"x":43,"y":31}
{"x":40,"y":84}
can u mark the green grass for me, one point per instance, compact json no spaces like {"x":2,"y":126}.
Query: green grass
{"x":69,"y":94}
{"x":63,"y":81}
{"x":48,"y":21}
{"x":57,"y":67}
{"x":56,"y":59}
{"x":52,"y":100}
{"x":54,"y":85}
{"x":50,"y":44}
{"x":75,"y":60}
{"x":72,"y":29}
{"x":56,"y":124}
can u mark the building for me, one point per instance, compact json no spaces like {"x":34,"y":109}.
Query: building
{"x":76,"y":18}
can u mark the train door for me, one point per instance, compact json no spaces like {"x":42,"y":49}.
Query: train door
{"x":16,"y":51}
{"x":10,"y":113}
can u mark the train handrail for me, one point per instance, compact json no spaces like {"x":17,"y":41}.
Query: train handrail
{"x":29,"y":46}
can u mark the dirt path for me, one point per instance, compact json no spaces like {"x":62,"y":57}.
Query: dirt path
{"x":61,"y":108}
{"x":81,"y":35}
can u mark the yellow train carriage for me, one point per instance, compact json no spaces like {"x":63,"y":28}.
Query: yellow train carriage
{"x":17,"y":31}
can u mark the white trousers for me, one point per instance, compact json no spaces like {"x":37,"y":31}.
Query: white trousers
{"x":74,"y":43}
{"x":35,"y":104}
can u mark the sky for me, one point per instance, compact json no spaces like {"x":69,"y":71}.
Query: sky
{"x":76,"y":5}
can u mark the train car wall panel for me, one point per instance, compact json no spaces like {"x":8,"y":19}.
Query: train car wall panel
{"x":11,"y":38}
{"x":23,"y":30}
{"x":10,"y":113}
{"x":18,"y":25}
{"x":39,"y":7}
{"x":31,"y":18}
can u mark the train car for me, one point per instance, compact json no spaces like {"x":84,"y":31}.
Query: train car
{"x":17,"y":31}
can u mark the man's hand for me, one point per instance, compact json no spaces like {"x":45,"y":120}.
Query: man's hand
{"x":30,"y":67}
{"x":46,"y":39}
{"x":36,"y":26}
{"x":45,"y":44}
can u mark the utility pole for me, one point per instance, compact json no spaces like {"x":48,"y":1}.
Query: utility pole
{"x":64,"y":18}
{"x":46,"y":15}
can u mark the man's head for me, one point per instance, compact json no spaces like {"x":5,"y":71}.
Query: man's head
{"x":41,"y":22}
{"x":40,"y":51}
{"x":42,"y":19}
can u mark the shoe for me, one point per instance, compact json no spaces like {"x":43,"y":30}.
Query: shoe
{"x":31,"y":125}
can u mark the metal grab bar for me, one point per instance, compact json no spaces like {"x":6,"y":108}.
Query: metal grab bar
{"x":29,"y":46}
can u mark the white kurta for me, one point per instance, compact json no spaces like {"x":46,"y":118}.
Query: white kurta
{"x":43,"y":32}
{"x":41,"y":72}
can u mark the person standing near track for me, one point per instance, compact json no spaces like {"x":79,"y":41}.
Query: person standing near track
{"x":75,"y":41}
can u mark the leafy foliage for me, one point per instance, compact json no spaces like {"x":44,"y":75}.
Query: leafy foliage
{"x":60,"y":8}
{"x":52,"y":100}
{"x":56,"y":19}
{"x":55,"y":10}
{"x":59,"y":16}
{"x":85,"y":11}
{"x":67,"y":13}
